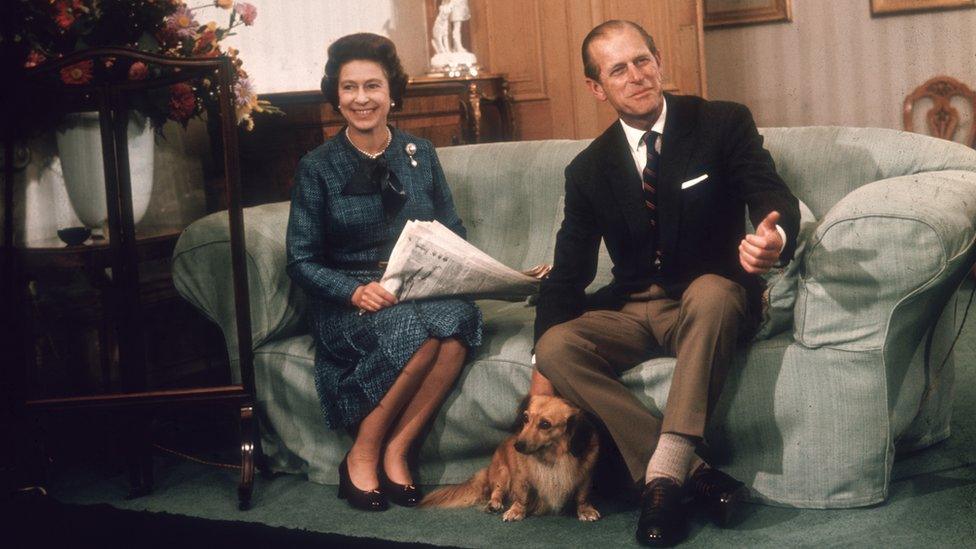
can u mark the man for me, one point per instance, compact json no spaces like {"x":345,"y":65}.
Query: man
{"x":666,"y":188}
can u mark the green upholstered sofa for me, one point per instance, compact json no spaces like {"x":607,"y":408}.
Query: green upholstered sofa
{"x":810,"y":417}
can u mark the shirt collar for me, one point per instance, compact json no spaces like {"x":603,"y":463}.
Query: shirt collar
{"x":634,"y":135}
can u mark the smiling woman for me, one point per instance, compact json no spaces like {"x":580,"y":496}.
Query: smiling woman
{"x":382,"y":368}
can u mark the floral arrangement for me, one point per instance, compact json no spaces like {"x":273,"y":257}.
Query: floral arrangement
{"x":54,"y":28}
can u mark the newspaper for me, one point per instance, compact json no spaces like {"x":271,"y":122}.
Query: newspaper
{"x":430,"y":260}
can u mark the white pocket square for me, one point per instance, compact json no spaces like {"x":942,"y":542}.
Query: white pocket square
{"x":693,"y":182}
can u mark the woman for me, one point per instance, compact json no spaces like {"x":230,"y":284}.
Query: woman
{"x":382,"y":368}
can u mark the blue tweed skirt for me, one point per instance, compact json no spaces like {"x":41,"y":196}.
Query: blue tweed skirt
{"x":358,"y":357}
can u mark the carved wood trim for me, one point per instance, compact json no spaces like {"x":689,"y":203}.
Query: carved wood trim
{"x":942,"y":119}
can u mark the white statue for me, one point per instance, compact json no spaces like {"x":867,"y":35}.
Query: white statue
{"x":440,"y":38}
{"x":450,"y":58}
{"x":460,"y":12}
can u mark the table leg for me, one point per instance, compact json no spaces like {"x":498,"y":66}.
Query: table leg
{"x":246,"y":487}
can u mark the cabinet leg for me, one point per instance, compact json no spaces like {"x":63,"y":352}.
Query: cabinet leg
{"x":246,"y":487}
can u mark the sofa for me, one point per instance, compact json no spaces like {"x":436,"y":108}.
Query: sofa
{"x":854,"y":365}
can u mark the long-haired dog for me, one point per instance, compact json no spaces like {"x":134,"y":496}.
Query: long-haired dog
{"x":537,"y":470}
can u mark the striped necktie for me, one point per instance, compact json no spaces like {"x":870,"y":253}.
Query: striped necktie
{"x":649,"y":175}
{"x":649,"y":184}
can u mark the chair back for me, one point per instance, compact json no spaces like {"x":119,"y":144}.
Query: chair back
{"x":943,"y":119}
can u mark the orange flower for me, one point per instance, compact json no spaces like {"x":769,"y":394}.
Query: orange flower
{"x":206,"y":43}
{"x":226,"y":4}
{"x":34,"y":58}
{"x":65,"y":12}
{"x":79,"y":73}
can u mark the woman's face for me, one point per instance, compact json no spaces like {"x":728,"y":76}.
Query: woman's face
{"x":364,"y":95}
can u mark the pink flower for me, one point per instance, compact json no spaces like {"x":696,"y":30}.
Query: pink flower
{"x":79,"y":73}
{"x":182,"y":102}
{"x":181,"y":23}
{"x":138,"y":71}
{"x":247,"y":12}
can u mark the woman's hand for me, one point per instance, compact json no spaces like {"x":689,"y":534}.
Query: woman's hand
{"x":372,"y":297}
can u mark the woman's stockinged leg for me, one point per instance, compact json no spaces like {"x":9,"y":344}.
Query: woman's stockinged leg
{"x":420,"y":409}
{"x":364,"y":455}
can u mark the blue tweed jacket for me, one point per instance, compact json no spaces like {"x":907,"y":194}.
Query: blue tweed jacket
{"x":327,"y":228}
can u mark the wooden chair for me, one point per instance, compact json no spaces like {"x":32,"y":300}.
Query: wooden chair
{"x":942,"y":119}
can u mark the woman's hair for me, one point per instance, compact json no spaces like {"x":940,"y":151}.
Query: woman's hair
{"x":364,"y":46}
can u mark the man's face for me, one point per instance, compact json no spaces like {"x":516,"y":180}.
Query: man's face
{"x":630,"y":76}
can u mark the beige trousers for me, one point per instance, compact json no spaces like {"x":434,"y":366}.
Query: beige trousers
{"x":584,"y":357}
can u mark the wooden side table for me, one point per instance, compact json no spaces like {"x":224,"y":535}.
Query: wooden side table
{"x":113,"y":265}
{"x":475,"y":93}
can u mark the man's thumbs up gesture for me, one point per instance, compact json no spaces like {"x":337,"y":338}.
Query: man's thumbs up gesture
{"x":759,"y":252}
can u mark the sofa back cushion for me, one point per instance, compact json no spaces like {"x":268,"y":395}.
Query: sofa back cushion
{"x":822,"y":164}
{"x":507,"y":193}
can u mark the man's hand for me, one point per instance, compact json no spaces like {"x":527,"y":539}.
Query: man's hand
{"x":372,"y":297}
{"x":759,"y":252}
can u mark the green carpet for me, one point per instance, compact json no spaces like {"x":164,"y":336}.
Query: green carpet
{"x":932,"y":502}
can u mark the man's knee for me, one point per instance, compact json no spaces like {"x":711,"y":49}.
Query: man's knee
{"x":712,"y":294}
{"x":556,"y":348}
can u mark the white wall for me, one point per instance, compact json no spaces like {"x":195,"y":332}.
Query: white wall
{"x":285,"y":49}
{"x":835,"y":64}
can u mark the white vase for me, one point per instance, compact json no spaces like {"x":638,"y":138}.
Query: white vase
{"x":80,"y":150}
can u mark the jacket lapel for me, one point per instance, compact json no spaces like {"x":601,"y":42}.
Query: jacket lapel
{"x":677,"y":145}
{"x":625,"y":182}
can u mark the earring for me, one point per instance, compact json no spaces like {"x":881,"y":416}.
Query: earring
{"x":392,"y":104}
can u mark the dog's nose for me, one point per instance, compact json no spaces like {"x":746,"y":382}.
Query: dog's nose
{"x":520,"y":446}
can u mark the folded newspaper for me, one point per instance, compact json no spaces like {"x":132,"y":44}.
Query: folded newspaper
{"x":430,"y":260}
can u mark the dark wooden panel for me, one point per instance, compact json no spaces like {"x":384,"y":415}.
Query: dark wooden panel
{"x":435,"y":109}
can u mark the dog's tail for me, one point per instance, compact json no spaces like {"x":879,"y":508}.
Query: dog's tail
{"x":467,"y":494}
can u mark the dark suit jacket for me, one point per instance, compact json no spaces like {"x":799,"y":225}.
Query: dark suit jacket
{"x":699,"y":227}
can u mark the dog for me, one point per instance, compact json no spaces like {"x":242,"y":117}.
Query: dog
{"x":536,"y":471}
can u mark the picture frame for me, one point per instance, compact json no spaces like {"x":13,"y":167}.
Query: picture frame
{"x":725,"y":13}
{"x":891,"y":7}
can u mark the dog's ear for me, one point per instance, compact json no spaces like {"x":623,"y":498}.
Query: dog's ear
{"x":519,"y":414}
{"x":580,"y":430}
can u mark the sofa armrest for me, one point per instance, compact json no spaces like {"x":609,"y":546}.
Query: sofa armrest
{"x":203,"y":275}
{"x":885,"y":259}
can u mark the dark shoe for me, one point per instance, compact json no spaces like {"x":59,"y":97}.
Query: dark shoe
{"x":718,"y":493}
{"x":663,"y":521}
{"x":404,"y":495}
{"x":366,"y":500}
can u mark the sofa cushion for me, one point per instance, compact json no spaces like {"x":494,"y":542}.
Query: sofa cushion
{"x":885,"y":242}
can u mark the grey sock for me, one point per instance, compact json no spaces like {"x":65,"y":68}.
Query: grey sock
{"x":672,"y":458}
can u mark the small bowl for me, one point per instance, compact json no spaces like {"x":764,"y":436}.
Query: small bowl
{"x":73,"y":236}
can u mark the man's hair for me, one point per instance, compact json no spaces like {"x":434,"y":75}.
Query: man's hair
{"x":589,"y":67}
{"x":364,"y":46}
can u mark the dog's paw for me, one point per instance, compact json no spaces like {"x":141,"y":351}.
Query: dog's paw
{"x":494,"y":506}
{"x":587,"y":513}
{"x":513,"y":515}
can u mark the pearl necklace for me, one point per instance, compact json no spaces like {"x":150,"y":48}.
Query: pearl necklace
{"x":371,"y":156}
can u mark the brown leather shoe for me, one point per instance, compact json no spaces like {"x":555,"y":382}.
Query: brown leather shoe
{"x":663,"y":518}
{"x":718,"y":493}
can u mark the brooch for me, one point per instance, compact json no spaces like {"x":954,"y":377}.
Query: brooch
{"x":411,"y":150}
